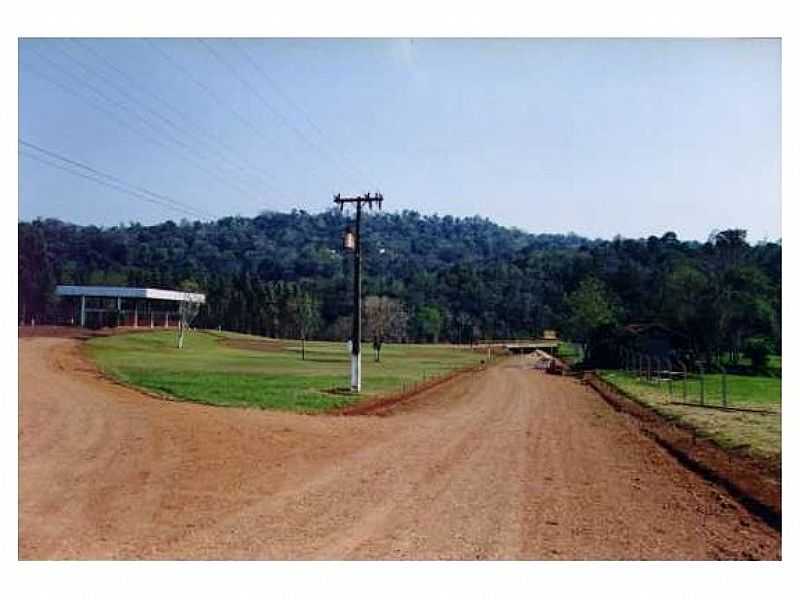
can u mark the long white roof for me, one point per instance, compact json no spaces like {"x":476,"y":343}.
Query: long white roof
{"x":101,"y":291}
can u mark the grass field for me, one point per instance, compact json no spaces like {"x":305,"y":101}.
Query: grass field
{"x":229,"y":369}
{"x":774,"y":362}
{"x":760,"y":433}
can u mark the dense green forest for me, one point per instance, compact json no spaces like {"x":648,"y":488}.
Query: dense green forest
{"x":456,"y":279}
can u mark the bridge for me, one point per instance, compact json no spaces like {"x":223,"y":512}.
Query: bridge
{"x":523,"y":346}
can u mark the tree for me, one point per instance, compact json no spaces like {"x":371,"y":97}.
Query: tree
{"x":591,"y":310}
{"x":758,"y":351}
{"x":304,"y":312}
{"x":35,"y":275}
{"x":384,"y":318}
{"x":341,"y":329}
{"x":429,"y":323}
{"x":459,"y":279}
{"x":188,"y":308}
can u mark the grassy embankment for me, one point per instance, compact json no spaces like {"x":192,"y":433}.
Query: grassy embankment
{"x":758,"y":433}
{"x":229,"y":369}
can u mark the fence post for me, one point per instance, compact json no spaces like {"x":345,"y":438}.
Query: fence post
{"x":669,"y":377}
{"x":649,"y":368}
{"x":685,"y":377}
{"x":724,"y":386}
{"x":658,"y":370}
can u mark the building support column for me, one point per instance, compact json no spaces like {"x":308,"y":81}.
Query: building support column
{"x":135,"y":314}
{"x":83,"y":311}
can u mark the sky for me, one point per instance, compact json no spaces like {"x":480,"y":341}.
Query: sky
{"x":597,"y":137}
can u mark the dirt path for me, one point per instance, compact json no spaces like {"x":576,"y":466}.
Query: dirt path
{"x":507,"y":463}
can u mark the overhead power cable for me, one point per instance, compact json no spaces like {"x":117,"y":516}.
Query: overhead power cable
{"x":102,"y":182}
{"x":312,"y":124}
{"x":276,"y":113}
{"x":90,"y":172}
{"x":187,"y":153}
{"x":195,"y":129}
{"x":247,"y":123}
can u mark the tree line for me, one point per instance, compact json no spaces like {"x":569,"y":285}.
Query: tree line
{"x":444,"y":278}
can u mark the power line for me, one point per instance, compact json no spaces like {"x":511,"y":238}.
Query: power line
{"x":229,"y":66}
{"x":247,"y":123}
{"x":104,"y":183}
{"x":316,"y":128}
{"x":71,"y":91}
{"x":139,"y":190}
{"x":99,"y":107}
{"x":85,"y":166}
{"x":195,"y":128}
{"x":188,"y":151}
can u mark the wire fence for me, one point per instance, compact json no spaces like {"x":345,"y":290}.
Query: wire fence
{"x":674,"y":379}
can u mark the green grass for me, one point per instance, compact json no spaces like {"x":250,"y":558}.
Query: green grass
{"x":760,"y":433}
{"x":569,"y":352}
{"x":211,"y":371}
{"x":774,"y":362}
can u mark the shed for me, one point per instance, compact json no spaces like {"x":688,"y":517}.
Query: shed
{"x":652,"y":338}
{"x":96,"y":306}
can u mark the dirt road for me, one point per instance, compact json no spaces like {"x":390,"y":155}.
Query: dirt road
{"x":508,"y":463}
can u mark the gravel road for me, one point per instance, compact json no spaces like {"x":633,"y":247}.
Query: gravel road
{"x":508,"y":463}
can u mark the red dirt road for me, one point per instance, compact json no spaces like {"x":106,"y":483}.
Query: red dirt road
{"x":504,"y":464}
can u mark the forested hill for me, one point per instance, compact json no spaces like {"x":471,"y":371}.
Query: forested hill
{"x":456,"y":278}
{"x":403,"y":253}
{"x":277,"y":246}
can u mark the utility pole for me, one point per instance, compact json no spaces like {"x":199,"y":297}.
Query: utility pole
{"x":353,"y":242}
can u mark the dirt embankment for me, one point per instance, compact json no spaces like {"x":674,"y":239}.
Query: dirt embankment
{"x":754,"y":481}
{"x":53,"y":331}
{"x":507,"y":463}
{"x":386,"y":404}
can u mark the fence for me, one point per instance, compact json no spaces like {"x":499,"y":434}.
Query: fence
{"x":674,"y":379}
{"x":99,"y":318}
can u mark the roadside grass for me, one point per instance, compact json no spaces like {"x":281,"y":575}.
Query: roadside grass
{"x":758,"y":433}
{"x":212,"y":369}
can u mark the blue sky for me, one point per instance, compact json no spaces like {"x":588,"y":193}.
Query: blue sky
{"x":599,"y":137}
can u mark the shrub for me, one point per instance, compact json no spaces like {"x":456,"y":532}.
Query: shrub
{"x":757,"y":350}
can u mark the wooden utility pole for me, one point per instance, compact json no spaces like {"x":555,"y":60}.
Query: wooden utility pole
{"x":359,"y":201}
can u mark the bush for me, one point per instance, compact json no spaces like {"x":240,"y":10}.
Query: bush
{"x":757,"y":350}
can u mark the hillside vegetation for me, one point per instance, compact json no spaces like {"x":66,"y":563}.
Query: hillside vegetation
{"x":455,"y":279}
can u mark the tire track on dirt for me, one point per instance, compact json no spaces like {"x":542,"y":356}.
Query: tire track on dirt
{"x":409,"y":519}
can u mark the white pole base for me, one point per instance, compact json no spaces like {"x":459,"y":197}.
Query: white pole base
{"x":355,"y":372}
